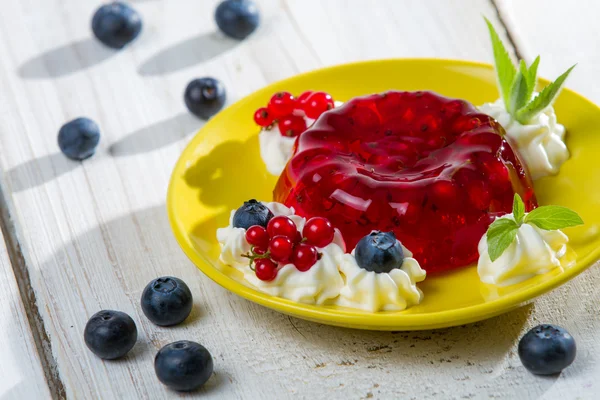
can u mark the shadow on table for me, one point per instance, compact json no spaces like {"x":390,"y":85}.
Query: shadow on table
{"x":139,"y":247}
{"x":38,"y":171}
{"x":187,"y":53}
{"x":65,"y":60}
{"x":115,"y":279}
{"x":156,"y":136}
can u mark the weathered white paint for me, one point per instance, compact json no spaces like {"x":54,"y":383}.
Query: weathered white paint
{"x":94,"y":233}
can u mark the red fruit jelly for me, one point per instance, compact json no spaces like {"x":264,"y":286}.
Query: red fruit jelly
{"x":432,"y":169}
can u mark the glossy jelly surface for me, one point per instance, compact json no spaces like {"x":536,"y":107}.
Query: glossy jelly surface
{"x":432,"y":169}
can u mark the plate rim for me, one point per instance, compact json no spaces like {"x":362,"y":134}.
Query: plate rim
{"x":357,"y":318}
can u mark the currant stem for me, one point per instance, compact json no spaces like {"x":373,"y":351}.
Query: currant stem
{"x":254,"y":256}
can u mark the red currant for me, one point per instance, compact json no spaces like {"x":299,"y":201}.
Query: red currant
{"x":282,"y":226}
{"x":280,"y":248}
{"x":291,"y":125}
{"x":263,"y":117}
{"x":297,"y":238}
{"x":257,"y":236}
{"x":318,"y":231}
{"x":317,"y":103}
{"x":304,"y":256}
{"x":265,"y":269}
{"x":260,"y":250}
{"x":301,"y":100}
{"x":281,"y":104}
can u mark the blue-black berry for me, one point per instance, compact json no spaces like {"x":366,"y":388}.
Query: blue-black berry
{"x":79,"y":138}
{"x":167,"y":301}
{"x":547,"y":349}
{"x":116,"y":24}
{"x":237,"y":18}
{"x":379,"y":252}
{"x":110,"y":334}
{"x":205,"y":97}
{"x":251,"y":213}
{"x":183,"y":365}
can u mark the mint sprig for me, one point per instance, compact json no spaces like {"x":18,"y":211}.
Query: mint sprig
{"x":519,"y":89}
{"x":518,"y":209}
{"x":553,"y":217}
{"x":518,"y":85}
{"x":542,"y":100}
{"x":531,"y":76}
{"x":500,"y":235}
{"x":505,"y":69}
{"x":502,"y":232}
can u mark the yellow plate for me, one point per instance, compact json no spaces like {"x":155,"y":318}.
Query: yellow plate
{"x":221,"y":167}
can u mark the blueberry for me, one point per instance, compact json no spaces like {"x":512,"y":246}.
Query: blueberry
{"x":237,"y":18}
{"x":79,"y":138}
{"x":205,"y":97}
{"x":110,"y":334}
{"x":547,"y":349}
{"x":379,"y":252}
{"x":116,"y":24}
{"x":252,"y":213}
{"x":183,"y":365}
{"x":167,"y":301}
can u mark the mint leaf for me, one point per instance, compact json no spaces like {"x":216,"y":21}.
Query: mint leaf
{"x":553,"y":217}
{"x":518,"y":91}
{"x":505,"y":69}
{"x":500,"y":235}
{"x":532,"y":77}
{"x":542,"y":100}
{"x":518,"y":209}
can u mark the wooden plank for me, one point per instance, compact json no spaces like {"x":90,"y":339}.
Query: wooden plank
{"x":94,"y":233}
{"x":21,"y":372}
{"x":563,"y":34}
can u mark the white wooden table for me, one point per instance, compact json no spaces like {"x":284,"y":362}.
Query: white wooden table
{"x":80,"y":237}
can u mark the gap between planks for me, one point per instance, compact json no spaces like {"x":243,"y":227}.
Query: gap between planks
{"x":28,"y":298}
{"x":509,"y":34}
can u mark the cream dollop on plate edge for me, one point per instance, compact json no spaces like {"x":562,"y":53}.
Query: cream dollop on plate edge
{"x":534,"y":252}
{"x":540,"y":143}
{"x":336,"y":279}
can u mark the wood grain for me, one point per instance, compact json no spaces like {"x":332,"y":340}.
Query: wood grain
{"x":94,"y":233}
{"x":21,"y":373}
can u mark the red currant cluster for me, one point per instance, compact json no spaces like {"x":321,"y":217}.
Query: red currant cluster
{"x":288,"y":112}
{"x":282,"y":243}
